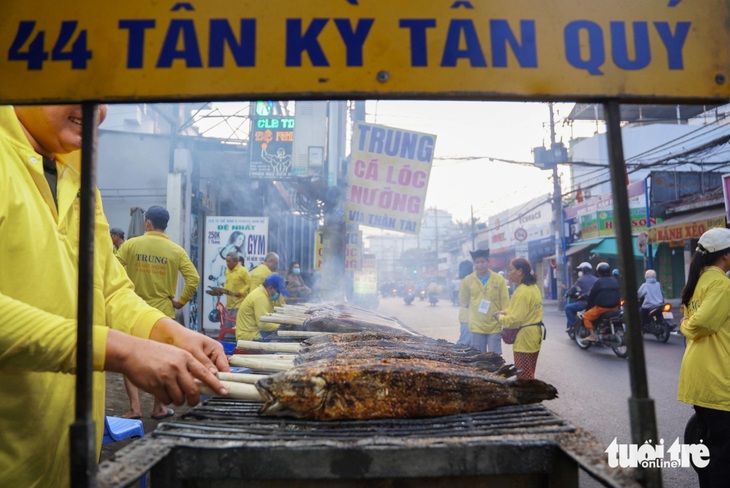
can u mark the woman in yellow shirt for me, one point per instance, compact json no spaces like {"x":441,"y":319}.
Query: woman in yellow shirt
{"x":704,"y":378}
{"x":524,"y":313}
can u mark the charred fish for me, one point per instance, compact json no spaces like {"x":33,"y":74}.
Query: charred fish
{"x":391,"y":388}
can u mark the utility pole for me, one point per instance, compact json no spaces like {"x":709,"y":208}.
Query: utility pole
{"x":473,"y":230}
{"x":557,"y":215}
{"x":436,"y":237}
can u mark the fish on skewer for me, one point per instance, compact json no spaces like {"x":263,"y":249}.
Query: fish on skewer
{"x":390,"y":337}
{"x":489,"y":361}
{"x":334,"y":318}
{"x":374,"y":346}
{"x":391,"y":388}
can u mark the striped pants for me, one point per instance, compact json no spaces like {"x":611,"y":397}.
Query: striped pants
{"x":527,"y":363}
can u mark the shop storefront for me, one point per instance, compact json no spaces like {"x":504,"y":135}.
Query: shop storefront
{"x":673,"y":242}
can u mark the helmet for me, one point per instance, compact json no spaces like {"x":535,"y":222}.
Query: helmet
{"x":603,"y":269}
{"x":650,"y":273}
{"x":615,"y":272}
{"x":585,"y":265}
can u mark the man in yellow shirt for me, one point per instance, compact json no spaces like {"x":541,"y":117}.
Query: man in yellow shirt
{"x":481,"y":295}
{"x":39,"y":237}
{"x":263,"y":270}
{"x":117,"y":236}
{"x":258,"y":303}
{"x":153,"y":263}
{"x":238,"y":282}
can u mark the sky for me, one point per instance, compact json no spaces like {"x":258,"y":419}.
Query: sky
{"x":469,"y":134}
{"x":463,"y":177}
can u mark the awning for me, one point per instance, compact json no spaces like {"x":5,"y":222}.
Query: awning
{"x":582,"y":246}
{"x":609,"y":247}
{"x":605,"y":246}
{"x":688,"y":226}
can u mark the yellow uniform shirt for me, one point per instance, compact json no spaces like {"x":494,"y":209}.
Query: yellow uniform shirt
{"x":259,"y":275}
{"x":153,"y":262}
{"x":254,"y":306}
{"x":525,"y":307}
{"x":38,"y":300}
{"x":704,"y":378}
{"x":471,"y":294}
{"x":237,"y":281}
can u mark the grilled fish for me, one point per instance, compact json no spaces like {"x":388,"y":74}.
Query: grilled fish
{"x":326,"y":323}
{"x":391,"y":388}
{"x":392,"y":336}
{"x":400,"y":350}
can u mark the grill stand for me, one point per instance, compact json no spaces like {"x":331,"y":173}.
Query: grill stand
{"x":525,"y":446}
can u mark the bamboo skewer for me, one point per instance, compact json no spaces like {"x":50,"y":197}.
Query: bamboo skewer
{"x":269,"y":346}
{"x":302,"y":334}
{"x":273,"y":357}
{"x":260,"y":364}
{"x":282,"y":319}
{"x":241,"y":377}
{"x":240,"y":391}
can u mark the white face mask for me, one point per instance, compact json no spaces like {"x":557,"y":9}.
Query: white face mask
{"x":580,"y":274}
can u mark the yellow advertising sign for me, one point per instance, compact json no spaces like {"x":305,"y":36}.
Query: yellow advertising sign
{"x":388,"y":177}
{"x":318,"y":249}
{"x":149,"y":50}
{"x":353,"y":250}
{"x":684,"y":231}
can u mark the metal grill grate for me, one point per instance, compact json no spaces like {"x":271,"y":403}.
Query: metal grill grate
{"x":235,"y":420}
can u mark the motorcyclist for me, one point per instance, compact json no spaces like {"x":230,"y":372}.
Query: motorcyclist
{"x":579,"y":291}
{"x":651,"y":292}
{"x":604,"y":296}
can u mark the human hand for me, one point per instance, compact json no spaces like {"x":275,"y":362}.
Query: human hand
{"x":167,"y":372}
{"x":176,"y":304}
{"x":206,"y":350}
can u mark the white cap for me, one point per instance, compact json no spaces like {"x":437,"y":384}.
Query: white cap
{"x":714,"y":240}
{"x":585,"y":264}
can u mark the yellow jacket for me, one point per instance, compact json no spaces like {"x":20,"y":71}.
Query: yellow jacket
{"x":471,"y":294}
{"x":152,"y":262}
{"x":704,"y":378}
{"x":525,"y":307}
{"x":259,"y":275}
{"x":237,"y":281}
{"x":38,"y":298}
{"x":254,"y":306}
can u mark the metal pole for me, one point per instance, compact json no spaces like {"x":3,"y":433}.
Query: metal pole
{"x":82,"y":432}
{"x":557,"y":217}
{"x":649,"y":258}
{"x":641,"y":407}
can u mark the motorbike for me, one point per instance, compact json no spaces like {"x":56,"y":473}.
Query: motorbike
{"x":433,"y":299}
{"x":660,"y":322}
{"x":610,"y":332}
{"x":422,"y":295}
{"x":409,"y":296}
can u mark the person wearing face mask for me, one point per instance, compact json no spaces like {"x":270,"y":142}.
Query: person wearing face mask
{"x":580,"y":292}
{"x":295,"y":284}
{"x":259,"y":302}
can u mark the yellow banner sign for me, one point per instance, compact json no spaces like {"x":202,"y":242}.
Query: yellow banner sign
{"x":388,"y":177}
{"x":147,"y":50}
{"x":681,"y":232}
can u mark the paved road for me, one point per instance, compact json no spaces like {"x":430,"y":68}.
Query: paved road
{"x":593,"y":385}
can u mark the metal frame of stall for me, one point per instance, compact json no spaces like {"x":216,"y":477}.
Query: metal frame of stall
{"x":710,"y":42}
